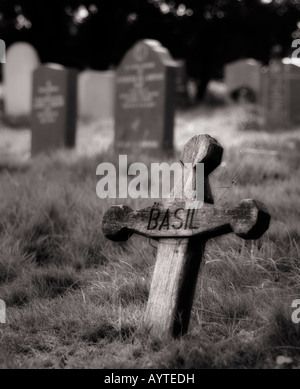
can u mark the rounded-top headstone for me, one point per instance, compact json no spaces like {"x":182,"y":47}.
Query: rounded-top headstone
{"x":96,"y":95}
{"x":276,"y":97}
{"x":54,"y":108}
{"x":21,"y":60}
{"x":243,"y":74}
{"x":145,"y":98}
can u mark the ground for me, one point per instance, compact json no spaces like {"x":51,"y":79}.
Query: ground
{"x":76,"y":300}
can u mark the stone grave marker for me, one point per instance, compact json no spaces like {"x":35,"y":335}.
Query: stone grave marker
{"x":54,"y":104}
{"x":182,"y":233}
{"x":21,"y":60}
{"x":281,"y":93}
{"x":274,"y":95}
{"x":145,"y":99}
{"x":244,"y":76}
{"x":96,"y":95}
{"x":292,"y":71}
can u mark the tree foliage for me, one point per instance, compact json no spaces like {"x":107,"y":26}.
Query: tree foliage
{"x":97,"y":33}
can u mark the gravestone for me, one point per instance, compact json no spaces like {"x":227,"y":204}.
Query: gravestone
{"x":21,"y":60}
{"x":244,"y":76}
{"x":274,"y":95}
{"x":96,"y":95}
{"x":182,"y":232}
{"x":281,"y":93}
{"x":292,"y":76}
{"x":145,"y":99}
{"x":54,"y":104}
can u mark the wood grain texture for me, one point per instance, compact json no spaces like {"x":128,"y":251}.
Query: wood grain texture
{"x":182,"y":233}
{"x":178,"y":260}
{"x":249,"y":220}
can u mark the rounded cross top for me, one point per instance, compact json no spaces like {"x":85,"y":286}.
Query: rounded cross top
{"x":202,"y":149}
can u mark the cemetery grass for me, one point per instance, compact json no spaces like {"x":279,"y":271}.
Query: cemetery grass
{"x":76,"y":300}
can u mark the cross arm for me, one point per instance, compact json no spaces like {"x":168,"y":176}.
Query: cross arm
{"x":249,"y":220}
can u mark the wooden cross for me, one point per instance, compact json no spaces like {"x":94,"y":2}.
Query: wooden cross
{"x":182,"y":234}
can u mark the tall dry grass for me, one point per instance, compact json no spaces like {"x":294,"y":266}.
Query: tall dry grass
{"x":75,"y":299}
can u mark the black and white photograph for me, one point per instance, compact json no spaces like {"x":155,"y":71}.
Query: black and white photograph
{"x":149,"y":187}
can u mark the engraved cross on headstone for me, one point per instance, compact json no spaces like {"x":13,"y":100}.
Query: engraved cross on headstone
{"x":182,"y":234}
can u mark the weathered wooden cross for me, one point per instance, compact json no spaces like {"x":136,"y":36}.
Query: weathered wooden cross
{"x":182,"y":233}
